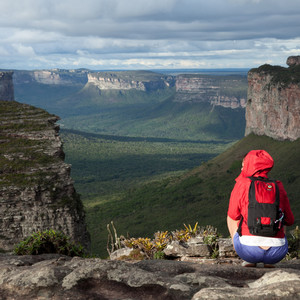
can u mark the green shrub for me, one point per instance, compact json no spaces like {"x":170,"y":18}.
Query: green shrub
{"x":49,"y":241}
{"x":153,"y":249}
{"x":212,"y":241}
{"x":159,"y":255}
{"x":283,"y":76}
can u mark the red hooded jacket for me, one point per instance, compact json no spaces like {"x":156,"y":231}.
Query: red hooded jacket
{"x":256,"y":163}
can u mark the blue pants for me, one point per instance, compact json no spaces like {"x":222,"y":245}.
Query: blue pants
{"x":254,"y":254}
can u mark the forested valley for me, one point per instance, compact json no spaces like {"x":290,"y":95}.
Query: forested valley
{"x":123,"y":152}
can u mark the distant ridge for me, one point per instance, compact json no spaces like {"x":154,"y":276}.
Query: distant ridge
{"x":220,"y":71}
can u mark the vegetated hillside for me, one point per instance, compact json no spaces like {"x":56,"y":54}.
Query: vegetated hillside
{"x":91,"y":100}
{"x":104,"y":167}
{"x":201,"y":195}
{"x":46,"y":96}
{"x":45,"y":88}
{"x":193,"y":121}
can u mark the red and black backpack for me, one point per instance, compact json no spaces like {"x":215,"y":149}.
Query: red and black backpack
{"x":264,"y":215}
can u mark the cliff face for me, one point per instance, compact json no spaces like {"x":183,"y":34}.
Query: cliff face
{"x":36,"y":191}
{"x":114,"y":83}
{"x":273,"y":107}
{"x":51,"y":77}
{"x":6,"y":86}
{"x":128,"y":80}
{"x":224,"y":91}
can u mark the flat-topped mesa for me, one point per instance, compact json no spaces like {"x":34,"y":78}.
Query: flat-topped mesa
{"x":128,"y":80}
{"x":273,"y":107}
{"x":36,"y":190}
{"x":216,"y":90}
{"x":51,"y":77}
{"x":6,"y":86}
{"x":115,"y":83}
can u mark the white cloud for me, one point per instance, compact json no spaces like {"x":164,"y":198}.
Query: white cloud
{"x":24,"y":50}
{"x":149,"y":34}
{"x":4,"y":52}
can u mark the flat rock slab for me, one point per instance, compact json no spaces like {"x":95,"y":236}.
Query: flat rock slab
{"x":61,"y":277}
{"x":178,"y":249}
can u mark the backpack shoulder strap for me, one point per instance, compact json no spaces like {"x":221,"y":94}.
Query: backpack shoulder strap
{"x":239,"y":230}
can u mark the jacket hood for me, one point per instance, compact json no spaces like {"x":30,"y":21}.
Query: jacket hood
{"x":257,"y":163}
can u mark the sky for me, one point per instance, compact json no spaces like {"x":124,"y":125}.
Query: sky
{"x":147,"y":34}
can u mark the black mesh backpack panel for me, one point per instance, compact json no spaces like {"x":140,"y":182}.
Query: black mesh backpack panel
{"x":263,"y":208}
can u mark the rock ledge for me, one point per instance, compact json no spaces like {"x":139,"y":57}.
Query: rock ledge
{"x":60,"y":277}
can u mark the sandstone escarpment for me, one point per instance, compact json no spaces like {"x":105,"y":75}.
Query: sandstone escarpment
{"x":130,"y":80}
{"x":224,"y":91}
{"x":6,"y":86}
{"x":51,"y":77}
{"x":36,"y":191}
{"x":273,"y":107}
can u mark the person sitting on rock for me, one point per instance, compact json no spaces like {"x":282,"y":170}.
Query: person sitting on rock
{"x":253,"y":248}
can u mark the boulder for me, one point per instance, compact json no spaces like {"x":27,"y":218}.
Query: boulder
{"x":277,"y":284}
{"x":226,"y":248}
{"x":120,"y":253}
{"x":180,"y":249}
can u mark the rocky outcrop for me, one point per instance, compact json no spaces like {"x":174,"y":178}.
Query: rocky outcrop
{"x":47,"y":77}
{"x":6,"y":86}
{"x":229,"y":102}
{"x":194,"y":250}
{"x":130,"y":80}
{"x":61,"y":277}
{"x":177,"y":249}
{"x":273,"y":107}
{"x":36,"y":191}
{"x":216,"y":90}
{"x":293,"y":61}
